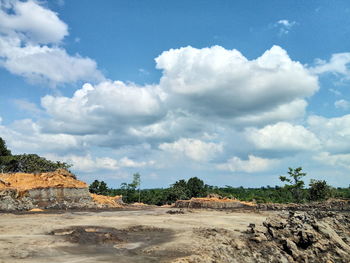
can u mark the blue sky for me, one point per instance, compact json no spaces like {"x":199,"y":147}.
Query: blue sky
{"x":233,"y":92}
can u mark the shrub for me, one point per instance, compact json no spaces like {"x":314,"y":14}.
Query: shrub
{"x":319,"y":190}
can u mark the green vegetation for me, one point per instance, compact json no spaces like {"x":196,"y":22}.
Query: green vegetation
{"x":292,"y":192}
{"x":26,"y":163}
{"x":319,"y":190}
{"x":295,"y":184}
{"x":99,"y":188}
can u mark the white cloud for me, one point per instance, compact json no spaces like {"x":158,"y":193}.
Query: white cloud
{"x":283,"y":136}
{"x":43,"y":63}
{"x":338,"y":64}
{"x":126,"y":162}
{"x":334,"y":133}
{"x":335,"y":160}
{"x":342,"y":104}
{"x":253,"y":164}
{"x":31,"y":22}
{"x":192,"y":148}
{"x":87,"y":163}
{"x":104,"y":107}
{"x":26,"y":136}
{"x":284,"y":26}
{"x":224,"y":84}
{"x":29,"y":46}
{"x":199,"y":90}
{"x":284,"y":112}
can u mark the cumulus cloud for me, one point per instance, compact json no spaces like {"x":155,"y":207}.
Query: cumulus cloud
{"x":251,"y":165}
{"x":29,"y":46}
{"x":27,"y":136}
{"x":104,"y":107}
{"x":200,"y":91}
{"x":338,"y":64}
{"x":285,"y":112}
{"x":46,"y":64}
{"x":194,"y":149}
{"x":87,"y":163}
{"x":342,"y":104}
{"x":334,"y":133}
{"x":336,"y":160}
{"x":31,"y":22}
{"x":283,"y":136}
{"x":223,"y":83}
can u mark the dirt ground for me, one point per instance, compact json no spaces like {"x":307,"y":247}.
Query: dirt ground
{"x":149,"y":235}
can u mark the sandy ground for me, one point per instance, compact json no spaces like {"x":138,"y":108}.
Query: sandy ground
{"x":150,"y":235}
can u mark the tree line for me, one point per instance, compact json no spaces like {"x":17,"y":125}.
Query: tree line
{"x":293,"y":191}
{"x":26,"y":163}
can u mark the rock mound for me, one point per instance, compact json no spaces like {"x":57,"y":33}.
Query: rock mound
{"x":308,"y":237}
{"x":329,"y":205}
{"x":59,"y":189}
{"x":213,"y":203}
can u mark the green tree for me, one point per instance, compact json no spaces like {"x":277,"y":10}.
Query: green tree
{"x":136,"y":182}
{"x":30,"y":163}
{"x":129,"y":190}
{"x":196,"y":187}
{"x":319,"y":190}
{"x":100,"y":188}
{"x":3,"y":148}
{"x":178,"y":191}
{"x":295,"y":184}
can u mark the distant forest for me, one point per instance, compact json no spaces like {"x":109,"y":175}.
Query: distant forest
{"x":292,"y":192}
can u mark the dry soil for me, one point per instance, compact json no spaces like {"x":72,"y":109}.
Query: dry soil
{"x":149,"y":235}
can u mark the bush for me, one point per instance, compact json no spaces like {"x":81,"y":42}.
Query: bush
{"x":319,"y":190}
{"x":99,"y":188}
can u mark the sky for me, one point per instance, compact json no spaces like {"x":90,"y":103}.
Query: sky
{"x":233,"y":92}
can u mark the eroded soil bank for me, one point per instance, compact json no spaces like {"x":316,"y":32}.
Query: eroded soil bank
{"x":167,"y":235}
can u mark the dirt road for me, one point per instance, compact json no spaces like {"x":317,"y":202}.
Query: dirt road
{"x":151,"y":235}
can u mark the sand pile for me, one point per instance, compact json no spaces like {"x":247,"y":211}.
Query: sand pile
{"x":59,"y":190}
{"x":23,"y":181}
{"x":103,"y":201}
{"x":4,"y":185}
{"x":214,"y":203}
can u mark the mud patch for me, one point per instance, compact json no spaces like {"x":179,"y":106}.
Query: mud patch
{"x":132,"y":244}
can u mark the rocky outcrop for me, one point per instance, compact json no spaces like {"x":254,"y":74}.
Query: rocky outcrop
{"x":329,"y":205}
{"x":213,"y":203}
{"x":59,"y":190}
{"x":9,"y":200}
{"x":303,"y":237}
{"x":60,"y":197}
